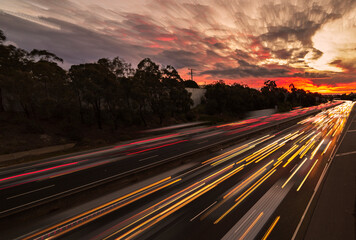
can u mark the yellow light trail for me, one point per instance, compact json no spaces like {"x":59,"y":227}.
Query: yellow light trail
{"x":306,"y":150}
{"x":224,"y":154}
{"x":247,"y":192}
{"x":297,"y":135}
{"x":181,"y":203}
{"x":288,"y":152}
{"x":157,"y":209}
{"x":293,"y":156}
{"x":257,"y":141}
{"x":232,"y":155}
{"x":307,"y":175}
{"x":239,"y":200}
{"x":222,"y":170}
{"x":269,"y":153}
{"x":329,"y":132}
{"x":219,"y":204}
{"x":271,"y":228}
{"x":327,"y":146}
{"x":316,"y":149}
{"x":105,"y":205}
{"x":102,"y":207}
{"x":259,"y":152}
{"x":306,"y":137}
{"x":244,"y":182}
{"x":251,"y":226}
{"x":159,"y":216}
{"x":294,"y":173}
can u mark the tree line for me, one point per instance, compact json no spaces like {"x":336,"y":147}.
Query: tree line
{"x":237,"y":99}
{"x":110,"y":92}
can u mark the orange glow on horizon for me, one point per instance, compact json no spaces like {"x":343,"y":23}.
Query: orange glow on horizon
{"x":302,"y":83}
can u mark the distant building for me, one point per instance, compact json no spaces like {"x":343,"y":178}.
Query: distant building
{"x":197,"y":94}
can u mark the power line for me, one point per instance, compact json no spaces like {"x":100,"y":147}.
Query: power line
{"x":191,"y":73}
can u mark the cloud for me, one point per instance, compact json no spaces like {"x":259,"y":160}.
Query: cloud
{"x":311,"y":75}
{"x":71,"y":43}
{"x":238,"y":40}
{"x":246,"y":69}
{"x":179,"y":58}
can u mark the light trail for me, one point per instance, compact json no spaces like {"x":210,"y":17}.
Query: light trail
{"x":295,"y":171}
{"x":253,"y":176}
{"x":288,"y":152}
{"x":327,"y":146}
{"x":76,"y":218}
{"x":38,"y":171}
{"x":306,"y":176}
{"x":247,"y":193}
{"x":154,"y":148}
{"x":142,"y":221}
{"x":271,"y":228}
{"x":251,"y":226}
{"x":316,"y":149}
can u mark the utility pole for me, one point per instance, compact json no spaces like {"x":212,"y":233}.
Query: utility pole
{"x":191,"y":73}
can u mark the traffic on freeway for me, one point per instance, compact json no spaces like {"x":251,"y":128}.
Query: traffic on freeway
{"x":257,"y":189}
{"x":31,"y":184}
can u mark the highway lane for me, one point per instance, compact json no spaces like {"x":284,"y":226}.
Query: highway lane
{"x":248,"y":191}
{"x":30,"y":184}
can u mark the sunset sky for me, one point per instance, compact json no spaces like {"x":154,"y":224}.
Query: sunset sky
{"x":309,"y":43}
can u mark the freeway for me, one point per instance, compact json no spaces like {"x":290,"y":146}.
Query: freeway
{"x":28,"y":185}
{"x":259,"y":188}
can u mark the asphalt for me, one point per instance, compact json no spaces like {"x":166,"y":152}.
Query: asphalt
{"x":198,"y":204}
{"x":164,"y":197}
{"x":334,"y":213}
{"x":33,"y":184}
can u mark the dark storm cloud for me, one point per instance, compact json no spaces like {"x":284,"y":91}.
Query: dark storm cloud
{"x":335,"y":62}
{"x":300,"y":25}
{"x":72,"y":43}
{"x":316,"y":54}
{"x":179,"y":58}
{"x":283,"y":53}
{"x":301,"y":54}
{"x":240,"y":54}
{"x":143,"y":27}
{"x":211,"y":36}
{"x":311,"y":75}
{"x":219,"y":45}
{"x":335,"y":80}
{"x":246,"y":70}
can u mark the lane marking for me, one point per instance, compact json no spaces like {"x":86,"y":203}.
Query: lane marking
{"x":352,"y":130}
{"x":320,"y":179}
{"x":243,"y":223}
{"x":19,"y":195}
{"x":203,"y":211}
{"x":143,"y":159}
{"x":344,"y":154}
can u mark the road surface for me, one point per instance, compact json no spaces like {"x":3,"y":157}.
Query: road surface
{"x":257,"y":189}
{"x":31,"y":184}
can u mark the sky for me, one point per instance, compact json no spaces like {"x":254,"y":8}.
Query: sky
{"x":309,"y":43}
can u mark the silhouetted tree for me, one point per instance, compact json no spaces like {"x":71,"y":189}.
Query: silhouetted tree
{"x":190,"y":84}
{"x":92,"y":82}
{"x":179,"y":99}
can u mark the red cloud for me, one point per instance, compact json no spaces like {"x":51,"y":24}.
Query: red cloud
{"x":259,"y":50}
{"x":166,"y":39}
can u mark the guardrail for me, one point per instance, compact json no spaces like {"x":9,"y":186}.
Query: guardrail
{"x":221,"y":144}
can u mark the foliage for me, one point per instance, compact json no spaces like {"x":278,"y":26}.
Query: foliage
{"x":190,"y":84}
{"x":110,"y":92}
{"x":237,"y":99}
